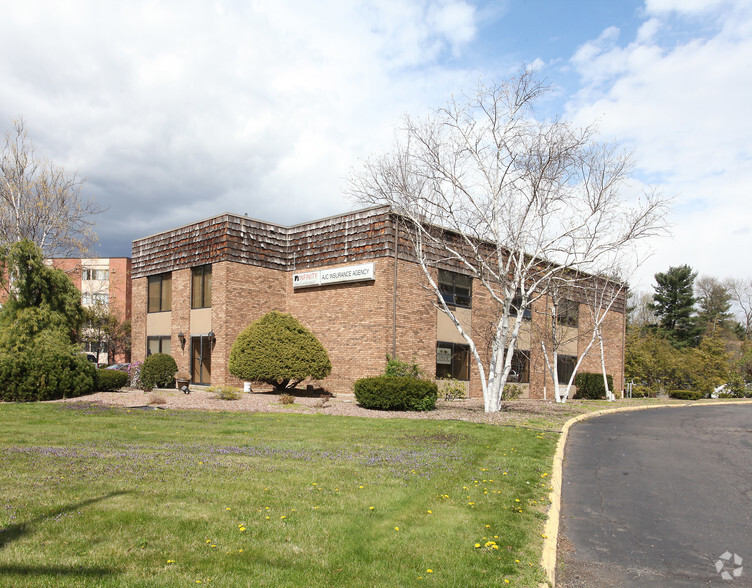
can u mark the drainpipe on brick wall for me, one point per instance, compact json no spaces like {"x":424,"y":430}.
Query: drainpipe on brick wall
{"x":394,"y":299}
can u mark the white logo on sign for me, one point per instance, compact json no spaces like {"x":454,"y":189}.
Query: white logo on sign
{"x":729,"y":565}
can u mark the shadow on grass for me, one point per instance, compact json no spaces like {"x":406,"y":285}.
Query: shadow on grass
{"x":14,"y":532}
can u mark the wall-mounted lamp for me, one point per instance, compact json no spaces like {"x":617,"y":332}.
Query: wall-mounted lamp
{"x":212,"y":336}
{"x":181,"y":336}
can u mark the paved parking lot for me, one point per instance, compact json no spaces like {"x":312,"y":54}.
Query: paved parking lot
{"x":659,"y":497}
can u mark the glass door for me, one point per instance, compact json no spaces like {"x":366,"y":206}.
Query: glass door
{"x":201,"y":360}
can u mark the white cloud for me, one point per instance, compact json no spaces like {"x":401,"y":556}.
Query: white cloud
{"x":176,"y":111}
{"x":683,"y":106}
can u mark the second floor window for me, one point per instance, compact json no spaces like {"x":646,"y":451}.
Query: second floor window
{"x":160,"y":293}
{"x":517,"y":304}
{"x":201,"y":279}
{"x":568,"y":313}
{"x":456,"y":289}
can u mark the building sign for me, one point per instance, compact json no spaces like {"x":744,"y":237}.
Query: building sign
{"x":339,"y":275}
{"x":444,"y":355}
{"x":306,"y":279}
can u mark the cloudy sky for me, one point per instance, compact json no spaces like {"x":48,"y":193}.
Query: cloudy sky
{"x":176,"y":111}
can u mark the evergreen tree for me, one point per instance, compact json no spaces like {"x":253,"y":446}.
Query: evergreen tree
{"x":38,"y":323}
{"x":674,"y":304}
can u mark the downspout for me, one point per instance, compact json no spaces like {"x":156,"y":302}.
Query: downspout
{"x":394,"y":298}
{"x":545,"y":371}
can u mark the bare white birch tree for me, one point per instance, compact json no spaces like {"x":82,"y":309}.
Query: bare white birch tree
{"x":486,"y":188}
{"x":40,"y":201}
{"x":741,"y":298}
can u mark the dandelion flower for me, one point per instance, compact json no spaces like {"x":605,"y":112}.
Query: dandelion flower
{"x":370,"y":508}
{"x":429,"y":571}
{"x":396,"y":528}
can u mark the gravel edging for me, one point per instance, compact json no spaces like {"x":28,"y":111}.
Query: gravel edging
{"x":470,"y":410}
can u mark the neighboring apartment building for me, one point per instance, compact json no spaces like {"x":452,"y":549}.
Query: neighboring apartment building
{"x":351,"y":280}
{"x":106,"y":281}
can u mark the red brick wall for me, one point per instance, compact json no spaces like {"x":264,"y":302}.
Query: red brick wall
{"x":416,"y":318}
{"x":240,"y":294}
{"x":138,"y":322}
{"x":351,"y":321}
{"x":120,"y":287}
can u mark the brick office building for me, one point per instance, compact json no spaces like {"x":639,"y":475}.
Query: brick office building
{"x":103,"y":280}
{"x":350,"y":279}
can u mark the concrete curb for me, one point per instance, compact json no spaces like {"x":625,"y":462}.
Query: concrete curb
{"x":551,"y":529}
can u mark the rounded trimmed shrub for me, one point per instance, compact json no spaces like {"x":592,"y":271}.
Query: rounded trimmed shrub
{"x":158,"y":371}
{"x":278,"y":350}
{"x":396,"y":393}
{"x":110,"y":380}
{"x":47,"y":370}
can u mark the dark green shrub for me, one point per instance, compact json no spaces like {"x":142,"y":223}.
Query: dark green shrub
{"x":48,"y":370}
{"x":396,"y":393}
{"x":278,"y":350}
{"x":590,"y":385}
{"x":686,"y":394}
{"x":111,"y":380}
{"x":158,"y":371}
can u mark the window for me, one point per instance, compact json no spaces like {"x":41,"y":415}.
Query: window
{"x":568,"y":313}
{"x":520,"y":373}
{"x":201,"y":287}
{"x":160,"y":293}
{"x":516,"y":304}
{"x":96,"y":347}
{"x":455,"y":288}
{"x":157,"y":345}
{"x":565,"y":366}
{"x":453,"y":361}
{"x":92,"y":298}
{"x":95,"y":274}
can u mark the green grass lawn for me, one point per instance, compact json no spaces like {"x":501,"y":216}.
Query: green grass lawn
{"x":96,"y":496}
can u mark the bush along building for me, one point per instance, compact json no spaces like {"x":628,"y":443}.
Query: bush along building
{"x":353,"y":281}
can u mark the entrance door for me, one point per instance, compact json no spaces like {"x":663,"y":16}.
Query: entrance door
{"x":201,"y":360}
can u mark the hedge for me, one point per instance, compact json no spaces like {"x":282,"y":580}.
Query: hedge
{"x":45,"y":371}
{"x":110,"y":380}
{"x":590,"y":385}
{"x":396,"y":393}
{"x":686,"y":394}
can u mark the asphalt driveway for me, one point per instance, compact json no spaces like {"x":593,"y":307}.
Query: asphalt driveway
{"x":659,"y":497}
